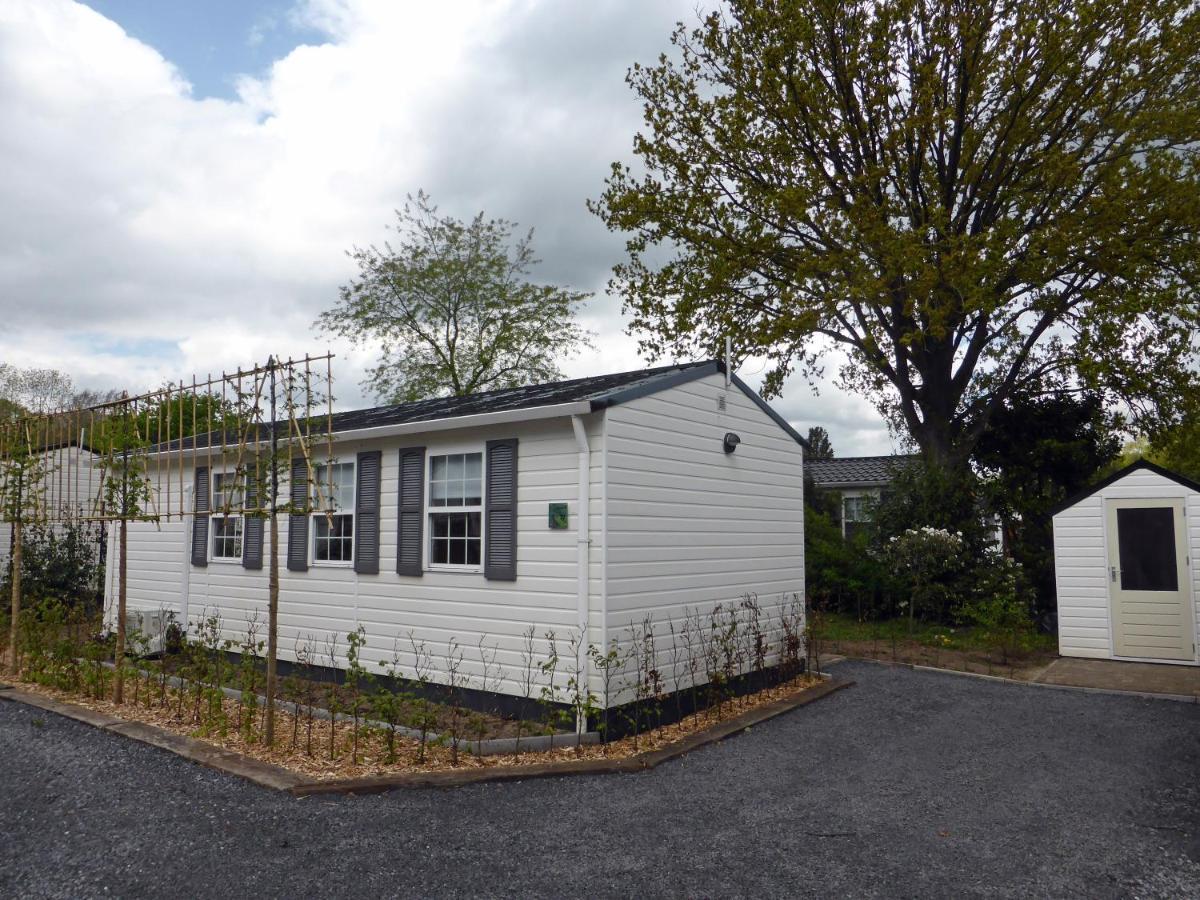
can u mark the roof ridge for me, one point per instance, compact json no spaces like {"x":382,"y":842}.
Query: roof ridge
{"x":548,"y":385}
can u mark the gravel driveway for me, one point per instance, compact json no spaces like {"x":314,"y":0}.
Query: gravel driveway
{"x":908,"y":784}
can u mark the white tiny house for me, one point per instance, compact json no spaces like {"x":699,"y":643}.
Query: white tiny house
{"x":576,"y":507}
{"x":1127,"y":568}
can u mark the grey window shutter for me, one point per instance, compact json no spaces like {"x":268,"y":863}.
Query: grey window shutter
{"x":366,"y":513}
{"x":500,"y":511}
{"x":410,"y":518}
{"x":200,"y":518}
{"x":252,"y":529}
{"x":297,"y":549}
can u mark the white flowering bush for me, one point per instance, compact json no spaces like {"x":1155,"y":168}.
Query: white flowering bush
{"x":924,"y":557}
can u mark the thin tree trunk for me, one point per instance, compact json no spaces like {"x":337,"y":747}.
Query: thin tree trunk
{"x":272,"y":631}
{"x":16,"y":596}
{"x":272,"y":578}
{"x":122,"y":568}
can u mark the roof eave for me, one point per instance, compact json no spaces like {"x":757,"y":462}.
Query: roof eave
{"x":479,"y":420}
{"x":1117,"y":476}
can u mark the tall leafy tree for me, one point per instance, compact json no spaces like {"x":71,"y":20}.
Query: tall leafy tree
{"x":453,"y":309}
{"x":819,"y":446}
{"x":968,"y":198}
{"x":1178,"y":447}
{"x":1036,"y":452}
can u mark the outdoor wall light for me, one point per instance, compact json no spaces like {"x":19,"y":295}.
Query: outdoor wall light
{"x":731,"y":441}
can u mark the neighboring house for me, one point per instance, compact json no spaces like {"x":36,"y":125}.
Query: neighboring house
{"x":70,"y":488}
{"x":859,"y":483}
{"x":1126,"y":581}
{"x":583,"y":505}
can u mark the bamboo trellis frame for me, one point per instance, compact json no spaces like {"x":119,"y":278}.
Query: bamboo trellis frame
{"x":87,"y":463}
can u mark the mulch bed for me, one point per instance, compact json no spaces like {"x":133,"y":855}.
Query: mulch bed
{"x":291,"y":768}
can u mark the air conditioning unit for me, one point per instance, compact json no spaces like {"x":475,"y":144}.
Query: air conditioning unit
{"x":144,"y":632}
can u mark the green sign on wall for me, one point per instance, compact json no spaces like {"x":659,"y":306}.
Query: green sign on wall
{"x":558,"y":515}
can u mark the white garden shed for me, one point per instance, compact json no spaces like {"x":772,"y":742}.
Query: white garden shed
{"x":1127,"y":568}
{"x":578,"y":507}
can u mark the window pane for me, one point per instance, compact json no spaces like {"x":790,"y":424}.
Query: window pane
{"x":437,"y":493}
{"x":333,"y":486}
{"x":454,"y":467}
{"x":454,"y":539}
{"x":1146,"y":547}
{"x":474,"y":465}
{"x":473,"y":493}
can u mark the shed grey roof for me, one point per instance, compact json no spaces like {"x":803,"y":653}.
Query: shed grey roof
{"x":864,"y":470}
{"x":1118,"y":475}
{"x":599,"y":390}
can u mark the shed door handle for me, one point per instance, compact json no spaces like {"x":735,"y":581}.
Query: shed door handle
{"x":1113,"y":571}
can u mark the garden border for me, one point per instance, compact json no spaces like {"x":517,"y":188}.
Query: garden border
{"x":278,"y":778}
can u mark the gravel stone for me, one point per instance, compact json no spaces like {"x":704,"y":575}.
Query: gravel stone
{"x":909,"y":784}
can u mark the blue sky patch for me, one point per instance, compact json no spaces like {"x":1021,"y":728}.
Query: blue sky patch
{"x":214,"y":41}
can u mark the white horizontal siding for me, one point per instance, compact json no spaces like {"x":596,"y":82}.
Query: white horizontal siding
{"x":327,"y":602}
{"x":70,"y":486}
{"x":689,"y":526}
{"x":1081,"y":561}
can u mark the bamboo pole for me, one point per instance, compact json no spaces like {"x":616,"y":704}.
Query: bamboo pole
{"x":272,"y":582}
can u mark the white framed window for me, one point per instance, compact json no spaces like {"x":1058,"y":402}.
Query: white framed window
{"x":333,"y":514}
{"x":454,"y":510}
{"x":857,"y":514}
{"x":854,"y":509}
{"x":227,"y":523}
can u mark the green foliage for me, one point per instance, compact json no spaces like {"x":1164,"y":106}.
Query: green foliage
{"x":841,"y":573}
{"x":999,"y":607}
{"x":453,"y":308}
{"x":953,"y":500}
{"x":1177,"y":447}
{"x":60,"y":561}
{"x":1036,"y":452}
{"x":943,"y":192}
{"x":127,"y":489}
{"x":185,"y":414}
{"x":926,"y":559}
{"x":819,"y":446}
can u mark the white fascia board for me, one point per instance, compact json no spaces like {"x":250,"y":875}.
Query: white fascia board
{"x":479,"y":420}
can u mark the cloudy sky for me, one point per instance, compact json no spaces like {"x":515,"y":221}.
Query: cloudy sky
{"x":180,"y":181}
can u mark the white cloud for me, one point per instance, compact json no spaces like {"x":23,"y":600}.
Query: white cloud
{"x":148,"y":234}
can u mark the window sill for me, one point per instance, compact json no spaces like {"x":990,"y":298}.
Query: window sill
{"x":225,"y":560}
{"x":455,"y":570}
{"x":324,"y":564}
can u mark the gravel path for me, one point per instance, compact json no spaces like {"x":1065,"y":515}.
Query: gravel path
{"x":908,"y":784}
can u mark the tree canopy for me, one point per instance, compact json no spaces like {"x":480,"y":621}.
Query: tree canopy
{"x":1036,"y":452}
{"x":453,"y":310}
{"x":819,"y":446}
{"x":970,"y":199}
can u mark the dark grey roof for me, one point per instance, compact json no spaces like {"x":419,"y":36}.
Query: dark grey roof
{"x":1118,"y":475}
{"x":600,"y":391}
{"x":864,"y":470}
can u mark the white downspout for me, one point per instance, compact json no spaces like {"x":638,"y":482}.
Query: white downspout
{"x":583,"y":542}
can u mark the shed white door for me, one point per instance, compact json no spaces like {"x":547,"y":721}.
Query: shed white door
{"x":1151,"y":600}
